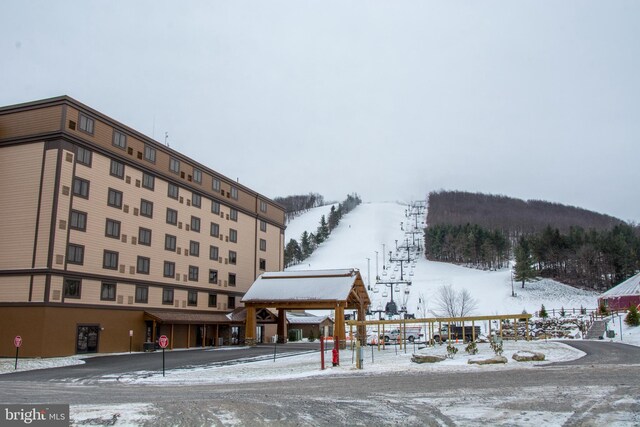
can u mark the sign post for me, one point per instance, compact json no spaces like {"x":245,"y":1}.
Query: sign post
{"x":163,"y":341}
{"x":17,"y":342}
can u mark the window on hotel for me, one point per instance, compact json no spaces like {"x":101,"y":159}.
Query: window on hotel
{"x":213,"y":253}
{"x":216,"y":184}
{"x":172,"y":216}
{"x":173,"y":191}
{"x":213,"y":276}
{"x":192,"y":298}
{"x":233,"y":214}
{"x":263,"y":264}
{"x":195,"y":224}
{"x":263,"y":245}
{"x":233,"y":235}
{"x":231,"y":302}
{"x":108,"y":292}
{"x":112,"y":228}
{"x":115,"y":198}
{"x":167,"y":296}
{"x":117,"y":169}
{"x":119,"y":139}
{"x":263,"y":225}
{"x":143,"y":265}
{"x":194,"y":248}
{"x":196,"y":200}
{"x":142,"y":294}
{"x":146,"y":208}
{"x":78,"y":221}
{"x":169,"y":269}
{"x":233,"y":257}
{"x":75,"y":254}
{"x":263,"y":206}
{"x":234,"y":193}
{"x":193,"y":273}
{"x":81,"y":188}
{"x":232,"y":279}
{"x":144,"y":236}
{"x":215,"y":229}
{"x":197,"y":175}
{"x":213,"y":300}
{"x":215,"y":207}
{"x":83,"y":156}
{"x":71,"y":288}
{"x":110,"y":260}
{"x":148,"y":181}
{"x":86,"y":124}
{"x":149,"y":154}
{"x":170,"y":242}
{"x":174,"y":165}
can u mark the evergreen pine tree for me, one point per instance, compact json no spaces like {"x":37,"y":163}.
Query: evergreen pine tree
{"x":633,"y":317}
{"x":543,"y":312}
{"x":306,"y":246}
{"x":524,"y":271}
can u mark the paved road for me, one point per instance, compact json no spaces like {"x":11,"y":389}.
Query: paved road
{"x":101,"y":366}
{"x":602,"y":388}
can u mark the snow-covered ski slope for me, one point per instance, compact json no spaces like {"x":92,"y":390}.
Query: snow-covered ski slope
{"x":364,"y":230}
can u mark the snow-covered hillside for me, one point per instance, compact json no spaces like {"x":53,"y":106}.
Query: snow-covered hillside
{"x":365,"y":230}
{"x":308,"y":221}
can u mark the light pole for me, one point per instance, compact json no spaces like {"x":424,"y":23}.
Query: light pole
{"x":383,"y":264}
{"x":377,"y":276}
{"x":368,"y":273}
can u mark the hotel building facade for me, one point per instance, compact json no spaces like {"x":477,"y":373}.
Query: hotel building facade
{"x":110,"y":239}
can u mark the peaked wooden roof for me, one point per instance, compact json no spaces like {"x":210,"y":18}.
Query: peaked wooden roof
{"x":309,"y":289}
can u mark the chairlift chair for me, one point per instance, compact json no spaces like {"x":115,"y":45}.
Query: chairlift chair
{"x":385,"y":294}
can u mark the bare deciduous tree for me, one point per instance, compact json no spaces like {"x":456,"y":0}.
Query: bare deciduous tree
{"x":450,"y":303}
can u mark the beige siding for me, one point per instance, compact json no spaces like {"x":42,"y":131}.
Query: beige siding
{"x":46,"y":209}
{"x":30,"y":122}
{"x":20,"y":177}
{"x":38,"y":290}
{"x":14,"y":288}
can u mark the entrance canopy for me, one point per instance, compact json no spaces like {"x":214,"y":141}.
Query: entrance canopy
{"x":307,"y":290}
{"x":314,"y":289}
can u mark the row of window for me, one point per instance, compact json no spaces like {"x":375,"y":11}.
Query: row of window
{"x":119,"y":140}
{"x":75,"y":255}
{"x":72,"y":289}
{"x":115,"y":199}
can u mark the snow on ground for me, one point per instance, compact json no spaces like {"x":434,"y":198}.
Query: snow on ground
{"x":362,"y":233}
{"x":8,"y":365}
{"x":308,"y":221}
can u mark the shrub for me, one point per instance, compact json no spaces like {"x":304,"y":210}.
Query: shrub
{"x":543,"y":312}
{"x":471,"y":348}
{"x":293,"y":336}
{"x":497,"y":347}
{"x":603,"y":310}
{"x":451,"y":350}
{"x":311,"y":337}
{"x":633,"y":317}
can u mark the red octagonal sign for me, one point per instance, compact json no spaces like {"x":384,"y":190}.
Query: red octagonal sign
{"x":163,"y":341}
{"x":17,"y":341}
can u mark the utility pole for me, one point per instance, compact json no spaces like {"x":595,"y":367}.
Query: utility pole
{"x":368,"y":274}
{"x":377,"y":276}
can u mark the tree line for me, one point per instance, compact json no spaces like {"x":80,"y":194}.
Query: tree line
{"x":295,"y":252}
{"x":514,"y":217}
{"x":297,"y":204}
{"x":572,"y":245}
{"x":582,"y":258}
{"x":468,"y":244}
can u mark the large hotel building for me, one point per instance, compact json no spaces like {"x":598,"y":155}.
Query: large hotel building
{"x":110,"y":239}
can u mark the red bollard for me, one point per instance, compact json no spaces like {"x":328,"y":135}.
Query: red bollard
{"x":322,"y":353}
{"x":336,"y":353}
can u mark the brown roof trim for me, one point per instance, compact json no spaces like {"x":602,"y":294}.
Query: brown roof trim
{"x":182,"y":317}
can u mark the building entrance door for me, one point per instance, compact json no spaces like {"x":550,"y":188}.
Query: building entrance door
{"x":87,"y":339}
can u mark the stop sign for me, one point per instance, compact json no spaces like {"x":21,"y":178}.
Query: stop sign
{"x":163,"y":341}
{"x":17,"y":341}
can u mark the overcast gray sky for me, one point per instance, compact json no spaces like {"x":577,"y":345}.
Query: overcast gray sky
{"x":390,"y":99}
